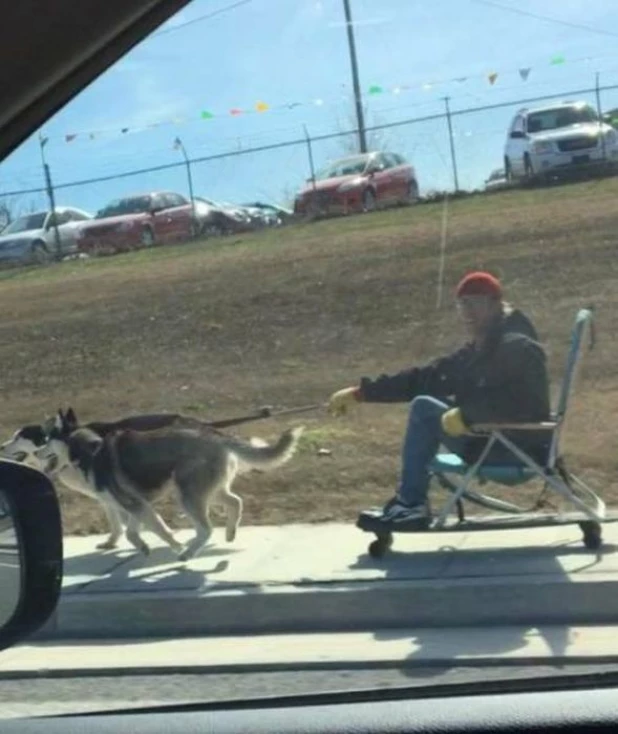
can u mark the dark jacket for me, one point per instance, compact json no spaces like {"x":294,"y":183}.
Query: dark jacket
{"x":504,"y":381}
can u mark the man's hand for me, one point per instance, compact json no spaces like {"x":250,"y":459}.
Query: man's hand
{"x":453,"y":423}
{"x":342,"y":400}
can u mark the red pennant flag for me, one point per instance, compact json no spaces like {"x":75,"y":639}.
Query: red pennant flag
{"x":235,"y":112}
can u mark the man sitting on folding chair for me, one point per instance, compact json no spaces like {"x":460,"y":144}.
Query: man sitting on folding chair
{"x":500,"y":375}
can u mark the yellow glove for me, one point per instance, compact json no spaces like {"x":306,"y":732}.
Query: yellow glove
{"x":453,"y":424}
{"x":342,"y":400}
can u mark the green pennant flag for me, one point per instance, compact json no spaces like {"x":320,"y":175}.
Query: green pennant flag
{"x":375,"y":89}
{"x":556,"y":60}
{"x":207,"y":115}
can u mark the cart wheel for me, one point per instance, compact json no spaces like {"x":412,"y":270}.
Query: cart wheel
{"x":379,"y":546}
{"x":593,"y":536}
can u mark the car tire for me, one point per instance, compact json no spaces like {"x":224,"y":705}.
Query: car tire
{"x":39,"y":254}
{"x":212,"y":230}
{"x":413,"y":192}
{"x":369,"y":200}
{"x":147,"y":238}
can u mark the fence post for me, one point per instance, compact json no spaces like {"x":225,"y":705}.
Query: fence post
{"x":452,"y":143}
{"x":311,"y":165}
{"x":597,"y":91}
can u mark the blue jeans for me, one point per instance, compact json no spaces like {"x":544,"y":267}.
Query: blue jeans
{"x":424,"y":435}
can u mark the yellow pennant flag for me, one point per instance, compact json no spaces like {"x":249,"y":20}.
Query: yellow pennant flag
{"x":261,"y":107}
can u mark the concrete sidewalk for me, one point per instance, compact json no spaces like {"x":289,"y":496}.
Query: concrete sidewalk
{"x":310,"y":578}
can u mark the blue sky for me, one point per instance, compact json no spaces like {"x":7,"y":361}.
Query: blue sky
{"x":284,"y":52}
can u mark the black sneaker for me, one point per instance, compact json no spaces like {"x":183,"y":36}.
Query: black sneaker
{"x":396,"y":512}
{"x":396,"y":516}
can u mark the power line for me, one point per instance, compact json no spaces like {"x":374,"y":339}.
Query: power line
{"x":547,"y":18}
{"x":200,"y":18}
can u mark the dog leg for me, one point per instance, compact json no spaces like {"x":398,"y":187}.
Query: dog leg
{"x":135,"y":538}
{"x":232,"y":502}
{"x":198,"y":512}
{"x":154,"y":522}
{"x":113,"y":518}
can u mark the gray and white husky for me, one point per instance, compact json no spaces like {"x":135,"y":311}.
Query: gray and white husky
{"x":129,"y":469}
{"x":25,"y":443}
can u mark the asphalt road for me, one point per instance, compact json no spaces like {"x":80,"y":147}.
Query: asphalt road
{"x":40,"y":697}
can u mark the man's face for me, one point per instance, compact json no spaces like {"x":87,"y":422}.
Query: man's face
{"x":477,"y":313}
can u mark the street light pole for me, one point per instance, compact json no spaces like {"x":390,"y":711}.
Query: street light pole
{"x":362,"y":139}
{"x":179,"y":146}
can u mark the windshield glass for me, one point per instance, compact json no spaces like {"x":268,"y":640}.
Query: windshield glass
{"x":24,"y":224}
{"x":560,"y":117}
{"x":331,"y":336}
{"x":134,"y":205}
{"x":346,"y":167}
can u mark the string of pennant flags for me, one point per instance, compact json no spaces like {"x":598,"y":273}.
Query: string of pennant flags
{"x":261,"y":107}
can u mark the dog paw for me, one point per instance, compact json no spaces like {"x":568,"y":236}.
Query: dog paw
{"x":108,"y":545}
{"x":186,"y":554}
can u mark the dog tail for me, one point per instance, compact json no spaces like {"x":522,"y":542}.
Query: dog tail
{"x":256,"y":454}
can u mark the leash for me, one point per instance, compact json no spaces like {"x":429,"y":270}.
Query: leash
{"x":262,"y":414}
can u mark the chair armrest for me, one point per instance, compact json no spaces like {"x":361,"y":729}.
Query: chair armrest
{"x":490,"y":427}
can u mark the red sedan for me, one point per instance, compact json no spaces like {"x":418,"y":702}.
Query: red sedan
{"x":137,"y":221}
{"x":359,"y":183}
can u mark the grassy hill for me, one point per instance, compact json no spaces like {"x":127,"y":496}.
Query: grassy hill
{"x":285,"y":317}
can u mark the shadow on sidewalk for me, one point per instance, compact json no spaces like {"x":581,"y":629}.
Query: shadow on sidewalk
{"x":463,"y":647}
{"x":141,"y":573}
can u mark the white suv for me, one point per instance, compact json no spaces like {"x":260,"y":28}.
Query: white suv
{"x":547,"y":140}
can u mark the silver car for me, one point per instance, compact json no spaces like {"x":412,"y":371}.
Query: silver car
{"x":31,"y":238}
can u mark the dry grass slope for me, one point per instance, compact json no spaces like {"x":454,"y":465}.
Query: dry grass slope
{"x":285,"y":317}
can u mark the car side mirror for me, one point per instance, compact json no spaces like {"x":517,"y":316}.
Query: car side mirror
{"x":518,"y":135}
{"x":30,"y":551}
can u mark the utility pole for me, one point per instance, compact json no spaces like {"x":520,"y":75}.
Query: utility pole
{"x":179,"y":146}
{"x":50,"y":195}
{"x":360,"y":118}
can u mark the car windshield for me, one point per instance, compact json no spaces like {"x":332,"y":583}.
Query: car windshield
{"x":560,"y":117}
{"x":346,"y":167}
{"x":133,"y":205}
{"x":26,"y":223}
{"x":324,"y":445}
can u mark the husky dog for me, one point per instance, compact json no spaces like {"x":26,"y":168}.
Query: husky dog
{"x":132,"y":468}
{"x":25,"y":443}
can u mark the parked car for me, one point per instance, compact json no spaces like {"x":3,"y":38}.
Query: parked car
{"x":359,"y":183}
{"x":217,"y":218}
{"x":497,"y":180}
{"x":273,"y":214}
{"x":140,"y":220}
{"x":549,"y":140}
{"x":31,"y":239}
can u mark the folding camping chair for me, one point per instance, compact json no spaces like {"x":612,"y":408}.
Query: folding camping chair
{"x":456,"y":476}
